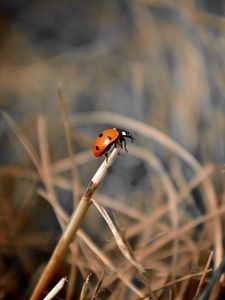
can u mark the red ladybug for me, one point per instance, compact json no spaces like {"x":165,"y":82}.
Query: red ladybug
{"x":108,"y":138}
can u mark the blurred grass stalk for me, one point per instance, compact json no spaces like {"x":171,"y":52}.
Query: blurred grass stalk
{"x":74,"y":224}
{"x":56,"y":289}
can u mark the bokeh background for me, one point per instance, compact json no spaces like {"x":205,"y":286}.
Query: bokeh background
{"x":158,"y":63}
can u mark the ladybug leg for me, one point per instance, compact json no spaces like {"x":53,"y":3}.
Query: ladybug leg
{"x":107,"y":156}
{"x":124,"y":144}
{"x":108,"y":150}
{"x":120,"y":145}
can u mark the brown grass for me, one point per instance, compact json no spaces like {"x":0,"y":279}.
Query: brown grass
{"x":164,"y":247}
{"x":161,"y":239}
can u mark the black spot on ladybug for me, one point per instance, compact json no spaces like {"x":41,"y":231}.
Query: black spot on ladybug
{"x":109,"y":138}
{"x":100,"y":135}
{"x":97,"y":148}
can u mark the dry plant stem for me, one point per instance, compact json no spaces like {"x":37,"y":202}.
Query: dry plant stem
{"x":72,"y":277}
{"x":72,"y":158}
{"x":76,"y":219}
{"x":97,"y":288}
{"x":201,"y":282}
{"x":56,"y":289}
{"x":85,"y":288}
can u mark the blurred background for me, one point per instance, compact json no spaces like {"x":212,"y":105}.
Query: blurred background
{"x":155,"y":63}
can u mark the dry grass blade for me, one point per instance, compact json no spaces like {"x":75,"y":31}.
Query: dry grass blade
{"x":45,"y":164}
{"x":123,"y":246}
{"x":72,"y":277}
{"x":85,"y":288}
{"x":201,"y":282}
{"x":183,"y":278}
{"x":56,"y":289}
{"x":119,"y":240}
{"x":68,"y":133}
{"x":97,"y":288}
{"x":24,"y":141}
{"x":213,"y":287}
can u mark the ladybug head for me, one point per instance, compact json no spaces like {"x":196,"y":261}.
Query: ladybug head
{"x":126,"y":134}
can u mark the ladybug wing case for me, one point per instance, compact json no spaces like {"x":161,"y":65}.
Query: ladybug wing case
{"x":104,"y":141}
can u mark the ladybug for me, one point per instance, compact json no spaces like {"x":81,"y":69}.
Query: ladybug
{"x":109,"y":138}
